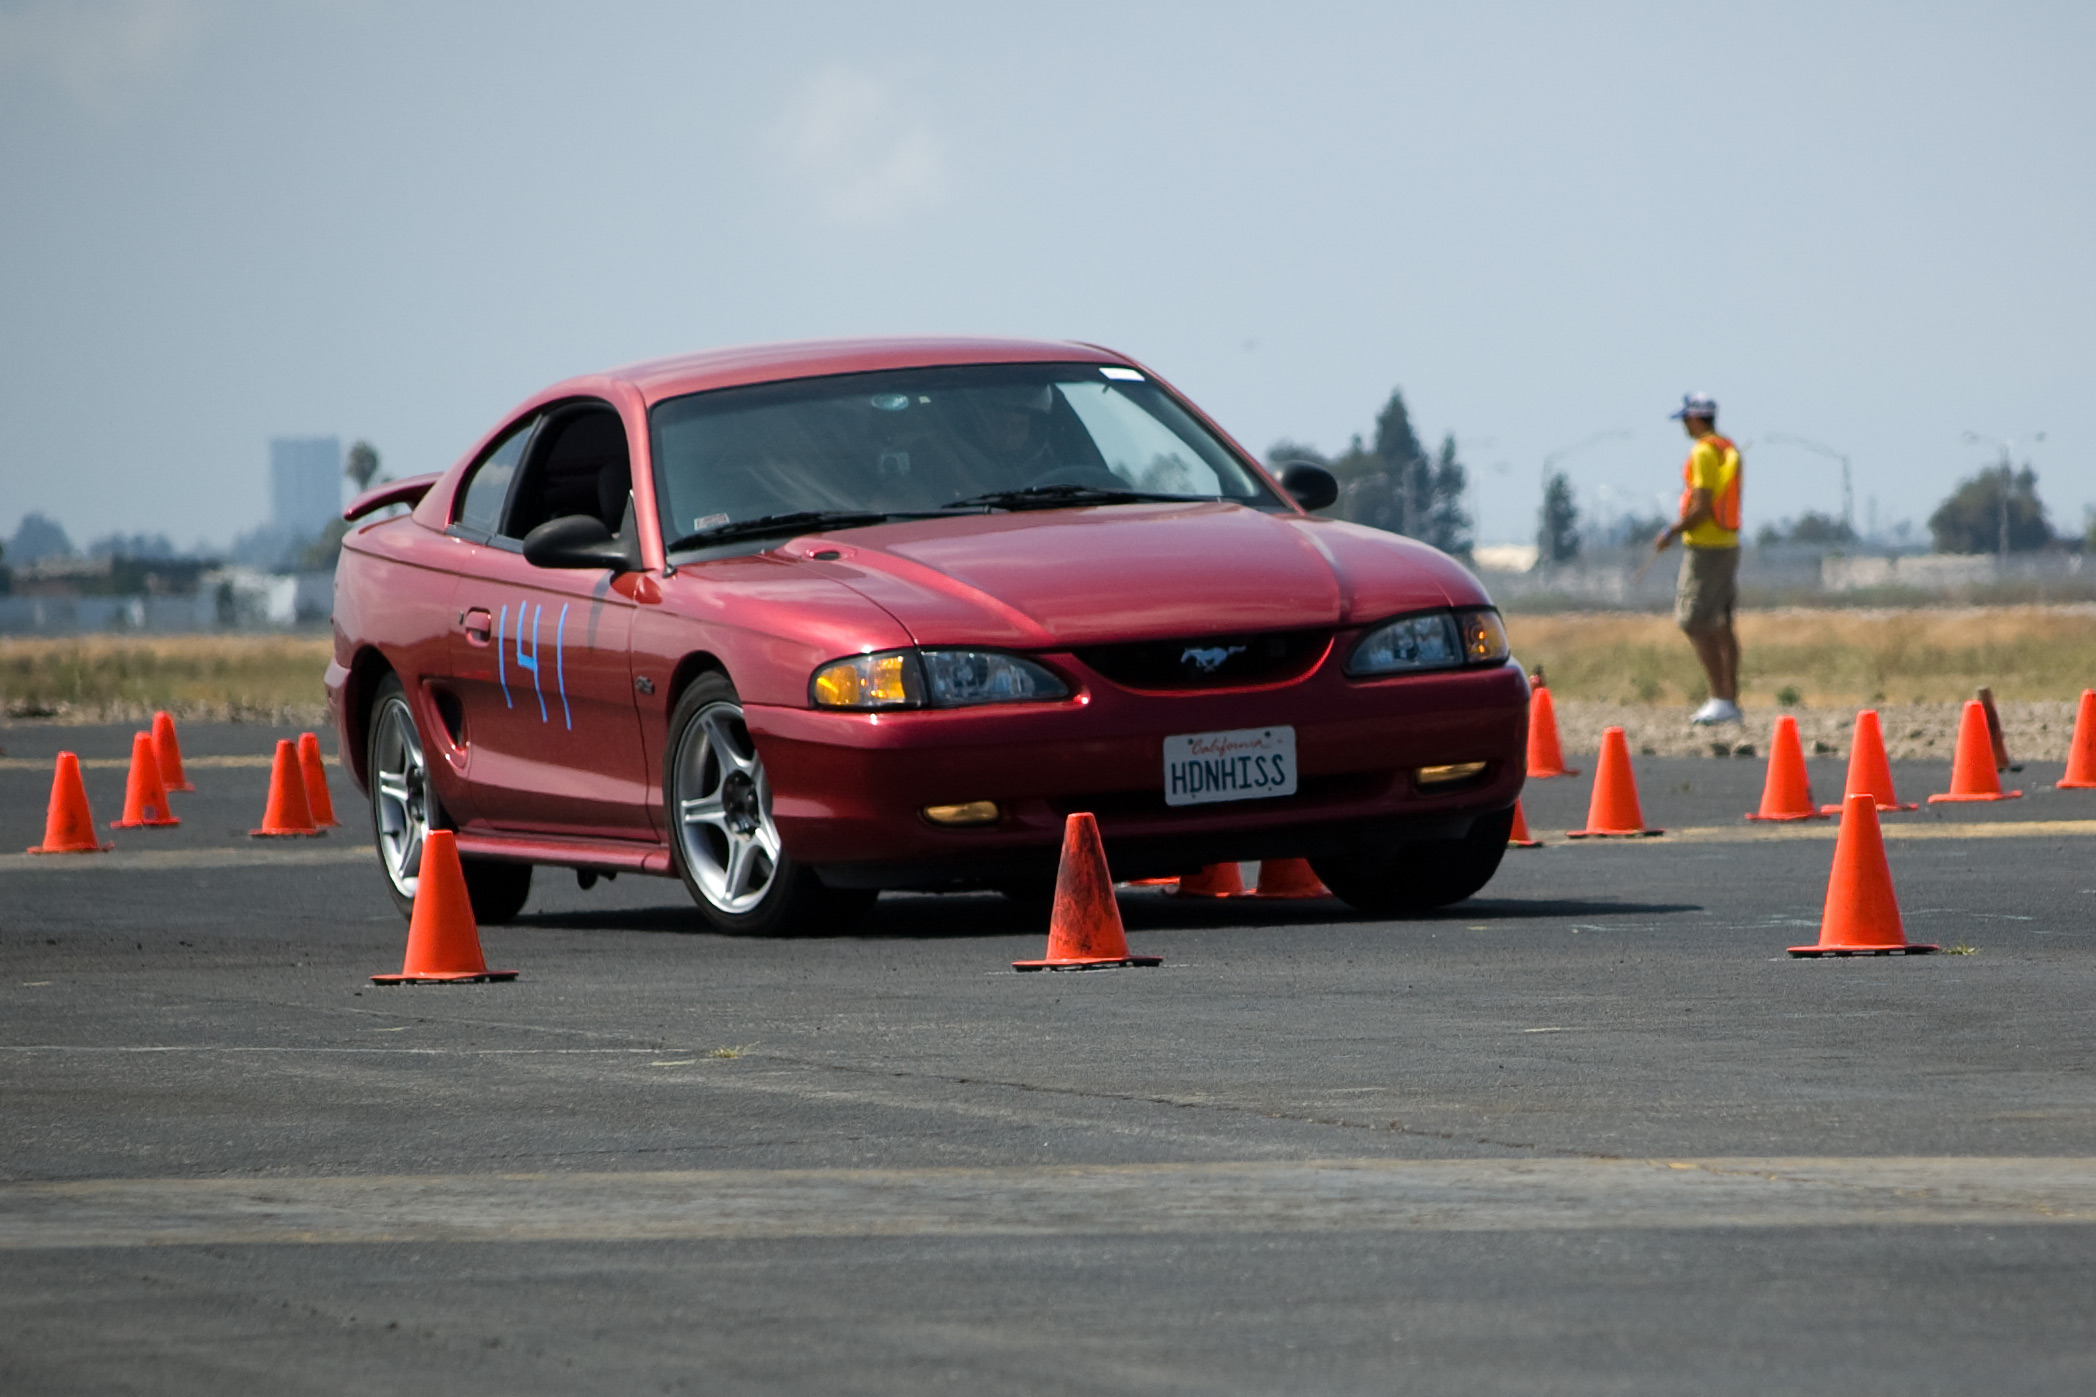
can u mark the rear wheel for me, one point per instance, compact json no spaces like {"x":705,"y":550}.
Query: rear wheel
{"x":1422,"y":874}
{"x":404,"y":809}
{"x":726,"y":848}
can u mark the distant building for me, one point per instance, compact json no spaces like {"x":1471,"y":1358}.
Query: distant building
{"x":305,"y":483}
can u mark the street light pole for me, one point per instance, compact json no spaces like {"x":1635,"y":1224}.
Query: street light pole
{"x":1848,"y":492}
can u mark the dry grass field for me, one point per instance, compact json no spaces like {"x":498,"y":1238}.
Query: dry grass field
{"x":1914,"y":665}
{"x":115,"y":678}
{"x":1825,"y":658}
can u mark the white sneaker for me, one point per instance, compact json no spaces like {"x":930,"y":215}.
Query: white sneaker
{"x":1717,"y":711}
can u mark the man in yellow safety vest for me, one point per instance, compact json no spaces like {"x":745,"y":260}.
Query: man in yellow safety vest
{"x":1708,"y":529}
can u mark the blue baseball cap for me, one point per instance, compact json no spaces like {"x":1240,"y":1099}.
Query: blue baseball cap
{"x":1696,"y":405}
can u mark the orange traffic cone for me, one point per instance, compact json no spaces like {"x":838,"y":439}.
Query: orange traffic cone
{"x":1084,"y":931}
{"x":1290,"y":878}
{"x":69,"y":826}
{"x":1545,"y":756}
{"x":1787,"y":792}
{"x":1861,"y":917}
{"x":1216,"y":880}
{"x":170,"y":753}
{"x":145,"y":799}
{"x":1613,"y":809}
{"x":1518,"y":837}
{"x":1869,"y":773}
{"x":443,"y":938}
{"x":314,"y":772}
{"x":287,"y":815}
{"x":2081,"y":751}
{"x":1972,"y":774}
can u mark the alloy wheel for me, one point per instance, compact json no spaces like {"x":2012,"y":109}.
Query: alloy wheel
{"x":723,"y":808}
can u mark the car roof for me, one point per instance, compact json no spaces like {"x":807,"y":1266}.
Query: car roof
{"x":764,"y":363}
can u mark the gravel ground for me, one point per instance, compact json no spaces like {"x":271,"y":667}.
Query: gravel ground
{"x":1913,"y":731}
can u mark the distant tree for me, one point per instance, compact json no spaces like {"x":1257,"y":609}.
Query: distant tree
{"x":1995,"y":511}
{"x":1809,"y":527}
{"x":361,"y":465}
{"x":1394,"y":484}
{"x":1285,"y":450}
{"x":38,"y":538}
{"x":1557,"y":538}
{"x":1629,"y":530}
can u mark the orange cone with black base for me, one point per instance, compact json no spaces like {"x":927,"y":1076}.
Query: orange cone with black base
{"x":443,"y":938}
{"x":1786,"y":794}
{"x":170,"y":753}
{"x":1084,"y":931}
{"x":1288,"y":878}
{"x":2081,"y":750}
{"x":1869,"y":773}
{"x":287,"y":816}
{"x":1216,"y":880}
{"x":1518,"y":837}
{"x":145,"y":799}
{"x":1972,"y":773}
{"x":1613,"y":810}
{"x":69,"y":826}
{"x":1861,"y":917}
{"x":1545,"y":756}
{"x":313,"y":771}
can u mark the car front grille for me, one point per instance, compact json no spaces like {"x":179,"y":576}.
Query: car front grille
{"x":1210,"y":661}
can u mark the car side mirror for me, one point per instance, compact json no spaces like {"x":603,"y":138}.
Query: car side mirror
{"x":1312,"y":487}
{"x":575,"y":541}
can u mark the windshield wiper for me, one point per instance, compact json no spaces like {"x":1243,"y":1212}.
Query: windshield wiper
{"x":797,"y":520}
{"x":1055,"y":496}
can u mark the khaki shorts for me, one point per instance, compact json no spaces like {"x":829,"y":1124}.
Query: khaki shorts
{"x":1708,"y":589}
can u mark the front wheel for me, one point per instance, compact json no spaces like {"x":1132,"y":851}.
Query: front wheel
{"x":1421,"y":874}
{"x":727,"y":850}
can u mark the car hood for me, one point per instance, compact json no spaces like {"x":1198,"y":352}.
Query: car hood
{"x":1069,"y":577}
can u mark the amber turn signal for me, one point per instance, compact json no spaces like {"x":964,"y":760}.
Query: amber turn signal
{"x":974,"y":812}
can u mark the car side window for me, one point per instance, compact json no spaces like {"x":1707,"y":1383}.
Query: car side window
{"x":578,"y":465}
{"x":480,"y":504}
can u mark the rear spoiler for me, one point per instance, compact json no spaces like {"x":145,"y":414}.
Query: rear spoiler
{"x":408,"y":492}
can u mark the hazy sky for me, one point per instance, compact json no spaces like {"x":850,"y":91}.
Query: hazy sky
{"x":1867,"y":224}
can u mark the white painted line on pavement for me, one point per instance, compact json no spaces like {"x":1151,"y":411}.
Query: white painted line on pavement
{"x":1351,"y":1195}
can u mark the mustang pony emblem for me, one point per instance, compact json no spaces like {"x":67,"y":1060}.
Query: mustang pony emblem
{"x":1208,"y":660}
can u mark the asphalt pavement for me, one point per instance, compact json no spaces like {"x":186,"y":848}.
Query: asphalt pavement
{"x":1590,"y":1132}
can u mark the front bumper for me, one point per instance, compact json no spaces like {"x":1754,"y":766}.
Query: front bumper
{"x":848,"y":788}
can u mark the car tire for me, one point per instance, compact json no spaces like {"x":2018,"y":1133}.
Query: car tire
{"x":717,"y":808}
{"x":404,"y":808}
{"x":1419,"y":875}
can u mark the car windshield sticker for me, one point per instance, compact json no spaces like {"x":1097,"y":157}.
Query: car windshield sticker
{"x":531,"y":661}
{"x":1116,"y":371}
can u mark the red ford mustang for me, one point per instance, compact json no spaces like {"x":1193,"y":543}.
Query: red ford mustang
{"x":798,"y":623}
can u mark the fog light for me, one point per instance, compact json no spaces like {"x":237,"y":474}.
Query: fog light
{"x":1448,"y":775}
{"x":974,"y":812}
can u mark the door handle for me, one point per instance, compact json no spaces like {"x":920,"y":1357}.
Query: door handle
{"x":478,"y":623}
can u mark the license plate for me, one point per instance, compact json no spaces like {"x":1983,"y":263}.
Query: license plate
{"x":1249,"y":764}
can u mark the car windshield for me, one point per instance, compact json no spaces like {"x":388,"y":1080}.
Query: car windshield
{"x":918,"y":441}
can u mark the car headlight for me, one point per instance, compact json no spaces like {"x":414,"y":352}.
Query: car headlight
{"x":953,"y":678}
{"x":1432,"y":640}
{"x":932,"y":679}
